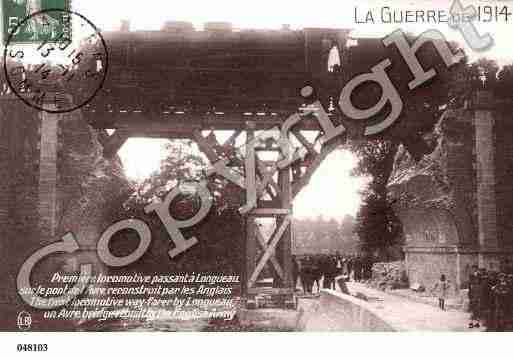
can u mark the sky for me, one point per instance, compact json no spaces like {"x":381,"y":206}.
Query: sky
{"x":332,"y":192}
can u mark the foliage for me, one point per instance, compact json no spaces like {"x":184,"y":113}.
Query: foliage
{"x":488,"y":75}
{"x":376,"y":159}
{"x":422,"y":106}
{"x":319,"y":235}
{"x":219,"y":234}
{"x":377,"y":226}
{"x":347,"y":226}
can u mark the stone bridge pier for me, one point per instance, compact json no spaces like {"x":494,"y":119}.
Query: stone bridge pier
{"x":54,"y":180}
{"x":456,"y":204}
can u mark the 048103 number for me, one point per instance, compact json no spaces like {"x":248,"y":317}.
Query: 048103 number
{"x":32,"y":347}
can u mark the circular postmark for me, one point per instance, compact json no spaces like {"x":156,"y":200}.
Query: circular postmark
{"x":62,"y":63}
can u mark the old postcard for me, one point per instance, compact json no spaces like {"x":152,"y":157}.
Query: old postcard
{"x":260,"y":166}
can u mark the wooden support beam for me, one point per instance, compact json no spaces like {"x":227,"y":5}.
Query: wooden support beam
{"x":305,"y":142}
{"x":230,"y":141}
{"x":263,"y":244}
{"x":205,"y":146}
{"x":267,"y":179}
{"x":285,"y":246}
{"x":114,"y":142}
{"x":250,"y":169}
{"x":250,"y":251}
{"x":275,"y":238}
{"x":298,"y":185}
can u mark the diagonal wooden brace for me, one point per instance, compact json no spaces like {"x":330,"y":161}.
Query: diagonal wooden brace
{"x":205,"y":147}
{"x":305,"y":143}
{"x":269,"y":251}
{"x":299,"y":184}
{"x":208,"y":149}
{"x":267,"y":179}
{"x":263,"y":243}
{"x":114,"y":142}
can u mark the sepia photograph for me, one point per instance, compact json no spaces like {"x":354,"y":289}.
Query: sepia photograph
{"x":263,"y":167}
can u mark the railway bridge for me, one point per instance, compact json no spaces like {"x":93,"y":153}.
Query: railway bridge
{"x":181,"y":83}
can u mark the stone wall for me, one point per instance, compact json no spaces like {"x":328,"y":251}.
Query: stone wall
{"x":20,"y":166}
{"x":347,"y":313}
{"x":504,"y":176}
{"x":435,"y":200}
{"x":456,"y":203}
{"x":4,"y":183}
{"x":57,"y":181}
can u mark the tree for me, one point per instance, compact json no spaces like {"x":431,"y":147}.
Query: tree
{"x":422,"y":106}
{"x":377,"y":226}
{"x":219,"y":234}
{"x":347,"y":227}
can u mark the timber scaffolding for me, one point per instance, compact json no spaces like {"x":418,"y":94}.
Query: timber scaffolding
{"x":178,"y":83}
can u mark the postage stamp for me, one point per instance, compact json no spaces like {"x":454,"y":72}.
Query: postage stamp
{"x":35,"y":29}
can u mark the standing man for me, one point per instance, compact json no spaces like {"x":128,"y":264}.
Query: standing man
{"x":368,"y":267}
{"x":295,"y":272}
{"x":473,"y":296}
{"x":357,"y":267}
{"x":303,"y":274}
{"x":501,"y":299}
{"x":317,"y":272}
{"x":349,"y":264}
{"x":307,"y":274}
{"x":330,"y":272}
{"x":486,"y":302}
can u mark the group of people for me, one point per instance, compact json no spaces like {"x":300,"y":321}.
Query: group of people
{"x":359,"y":266}
{"x":491,"y":298}
{"x":310,"y":269}
{"x":490,"y":292}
